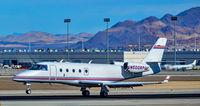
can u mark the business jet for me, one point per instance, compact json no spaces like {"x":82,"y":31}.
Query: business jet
{"x":181,"y":67}
{"x":87,"y":75}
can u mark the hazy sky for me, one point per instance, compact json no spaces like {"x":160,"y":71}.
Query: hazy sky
{"x":20,"y":16}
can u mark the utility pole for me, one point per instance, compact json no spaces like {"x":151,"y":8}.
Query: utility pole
{"x":139,"y":43}
{"x":174,"y":19}
{"x":82,"y":45}
{"x":67,"y":21}
{"x":107,"y":20}
{"x":195,"y":43}
{"x":29,"y":45}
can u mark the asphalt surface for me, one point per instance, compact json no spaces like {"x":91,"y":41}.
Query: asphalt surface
{"x":163,"y":95}
{"x":179,"y":97}
{"x":96,"y":100}
{"x":97,"y":97}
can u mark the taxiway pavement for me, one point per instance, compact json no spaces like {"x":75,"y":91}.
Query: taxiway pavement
{"x":142,"y":97}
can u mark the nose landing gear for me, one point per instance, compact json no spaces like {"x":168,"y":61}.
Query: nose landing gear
{"x":28,"y":88}
{"x":28,"y":91}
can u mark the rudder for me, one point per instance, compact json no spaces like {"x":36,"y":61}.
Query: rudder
{"x":156,"y":52}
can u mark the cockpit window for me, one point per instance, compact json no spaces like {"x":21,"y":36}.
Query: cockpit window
{"x":39,"y":67}
{"x":43,"y":67}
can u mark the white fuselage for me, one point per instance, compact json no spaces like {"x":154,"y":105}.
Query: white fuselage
{"x":76,"y":73}
{"x":183,"y":67}
{"x":179,"y":67}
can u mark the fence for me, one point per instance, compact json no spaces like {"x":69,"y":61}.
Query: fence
{"x":10,"y":72}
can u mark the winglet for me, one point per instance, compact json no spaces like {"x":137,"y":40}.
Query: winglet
{"x":166,"y":79}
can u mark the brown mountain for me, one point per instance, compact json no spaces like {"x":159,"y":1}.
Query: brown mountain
{"x":126,"y":34}
{"x":42,"y":40}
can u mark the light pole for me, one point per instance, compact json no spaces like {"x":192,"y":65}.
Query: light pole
{"x":139,"y":43}
{"x":29,"y":45}
{"x":82,"y":45}
{"x":67,"y":21}
{"x":195,"y":42}
{"x":107,"y":20}
{"x":174,"y":18}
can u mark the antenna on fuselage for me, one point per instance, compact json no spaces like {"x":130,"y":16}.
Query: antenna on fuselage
{"x":61,"y":60}
{"x":90,"y":62}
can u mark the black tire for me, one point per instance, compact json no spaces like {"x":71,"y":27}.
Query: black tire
{"x":86,"y":93}
{"x":103,"y":94}
{"x":28,"y":91}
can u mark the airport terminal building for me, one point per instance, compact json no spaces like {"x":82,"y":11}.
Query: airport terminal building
{"x":28,"y":58}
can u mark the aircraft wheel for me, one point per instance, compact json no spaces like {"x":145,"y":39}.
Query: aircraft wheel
{"x":104,"y":94}
{"x":28,"y":91}
{"x":86,"y":93}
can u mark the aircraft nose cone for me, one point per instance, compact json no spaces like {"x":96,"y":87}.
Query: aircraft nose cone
{"x":14,"y":78}
{"x":18,"y":77}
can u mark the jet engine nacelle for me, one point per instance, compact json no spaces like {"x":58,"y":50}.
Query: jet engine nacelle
{"x":135,"y":68}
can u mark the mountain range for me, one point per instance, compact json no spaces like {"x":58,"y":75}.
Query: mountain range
{"x":123,"y":35}
{"x":43,"y":40}
{"x":126,"y":34}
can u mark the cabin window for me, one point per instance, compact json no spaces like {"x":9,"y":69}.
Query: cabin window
{"x":79,"y":70}
{"x":73,"y":70}
{"x":67,"y":70}
{"x":86,"y":71}
{"x":61,"y":70}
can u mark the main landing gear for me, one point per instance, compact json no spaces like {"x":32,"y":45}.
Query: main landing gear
{"x":103,"y":93}
{"x":28,"y":88}
{"x":85,"y":92}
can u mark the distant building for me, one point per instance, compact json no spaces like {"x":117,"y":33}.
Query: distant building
{"x":29,"y":58}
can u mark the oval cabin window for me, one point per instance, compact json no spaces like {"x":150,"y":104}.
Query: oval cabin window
{"x":73,"y":70}
{"x":79,"y":70}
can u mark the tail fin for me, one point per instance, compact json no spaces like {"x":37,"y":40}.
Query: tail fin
{"x":194,"y":63}
{"x":156,"y":52}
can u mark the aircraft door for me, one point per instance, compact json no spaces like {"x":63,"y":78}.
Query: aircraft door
{"x":53,"y":72}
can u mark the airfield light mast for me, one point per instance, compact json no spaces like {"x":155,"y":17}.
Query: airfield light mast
{"x":29,"y":45}
{"x":82,"y":45}
{"x":107,"y":20}
{"x":195,"y":49}
{"x":67,"y":21}
{"x":196,"y":36}
{"x":174,"y":19}
{"x":139,"y":43}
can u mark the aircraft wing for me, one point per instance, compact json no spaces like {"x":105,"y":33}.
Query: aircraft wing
{"x":122,"y":84}
{"x":133,"y":84}
{"x":117,"y":84}
{"x":127,"y":84}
